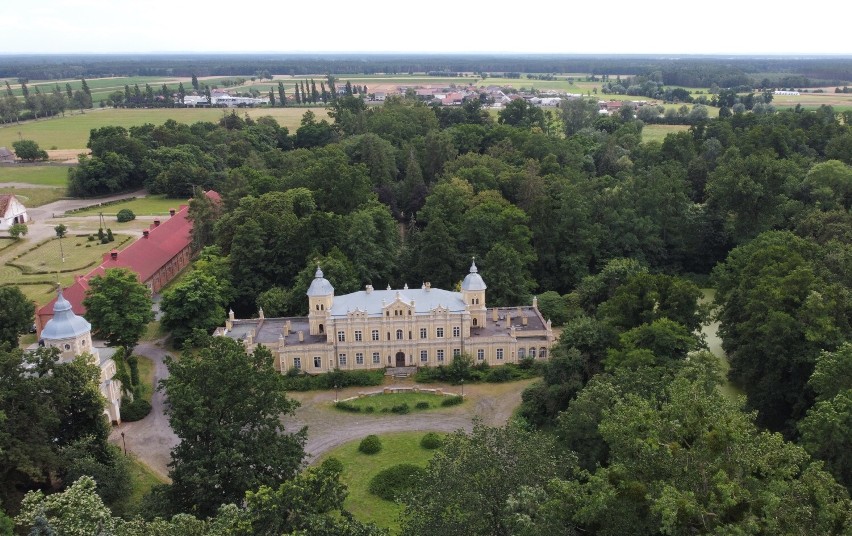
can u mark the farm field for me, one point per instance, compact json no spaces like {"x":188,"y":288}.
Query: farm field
{"x":72,"y":131}
{"x":359,"y":469}
{"x":36,"y":175}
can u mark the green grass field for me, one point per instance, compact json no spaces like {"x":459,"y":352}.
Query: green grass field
{"x":37,"y":175}
{"x":359,"y":468}
{"x":72,"y":131}
{"x":387,"y":401}
{"x":142,"y":479}
{"x":146,"y":377}
{"x":659,"y":132}
{"x":36,"y":197}
{"x":153,"y":205}
{"x":80,"y":254}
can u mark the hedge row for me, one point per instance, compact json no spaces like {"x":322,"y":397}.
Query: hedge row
{"x":295,"y":381}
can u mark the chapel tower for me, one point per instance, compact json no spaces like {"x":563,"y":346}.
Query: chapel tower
{"x":473,"y":294}
{"x":320,"y":300}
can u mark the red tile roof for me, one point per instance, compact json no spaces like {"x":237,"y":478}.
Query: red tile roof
{"x":145,"y":256}
{"x":5,"y":199}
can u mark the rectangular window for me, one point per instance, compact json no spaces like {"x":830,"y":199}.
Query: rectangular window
{"x":456,"y":331}
{"x":422,"y":333}
{"x":499,"y":353}
{"x":440,"y":355}
{"x":317,"y":362}
{"x":456,"y":352}
{"x":376,"y":358}
{"x":341,"y":336}
{"x":480,"y":354}
{"x":424,"y":356}
{"x":358,"y":335}
{"x":359,"y":358}
{"x":439,"y":332}
{"x":341,"y":359}
{"x":297,"y":362}
{"x":375,"y":335}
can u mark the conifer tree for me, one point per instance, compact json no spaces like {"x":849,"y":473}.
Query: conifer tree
{"x":271,"y":98}
{"x":195,"y":82}
{"x":298,"y":95}
{"x":314,"y":93}
{"x":69,"y":93}
{"x":282,"y":97}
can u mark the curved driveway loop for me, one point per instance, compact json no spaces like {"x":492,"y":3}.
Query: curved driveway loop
{"x":151,"y":439}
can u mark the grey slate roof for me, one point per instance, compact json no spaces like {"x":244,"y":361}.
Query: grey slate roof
{"x":373,"y":302}
{"x":473,"y":281}
{"x":64,"y":324}
{"x":320,"y":286}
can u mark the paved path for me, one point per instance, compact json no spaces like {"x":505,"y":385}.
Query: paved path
{"x":152,"y":440}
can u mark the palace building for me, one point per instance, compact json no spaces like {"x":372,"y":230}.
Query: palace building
{"x":405,"y":327}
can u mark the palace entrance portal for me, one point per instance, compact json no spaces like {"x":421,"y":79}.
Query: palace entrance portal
{"x":400,"y":359}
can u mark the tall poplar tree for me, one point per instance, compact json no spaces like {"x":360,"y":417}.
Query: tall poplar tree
{"x":282,"y":96}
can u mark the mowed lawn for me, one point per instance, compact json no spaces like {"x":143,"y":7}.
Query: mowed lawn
{"x":359,"y":469}
{"x":79,"y":254}
{"x":35,"y":197}
{"x":152,"y":205}
{"x":659,"y":132}
{"x":37,"y":175}
{"x":72,"y":131}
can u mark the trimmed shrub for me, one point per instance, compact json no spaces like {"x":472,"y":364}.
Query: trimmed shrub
{"x":395,"y":482}
{"x":346,"y":406}
{"x":401,"y":409}
{"x":370,"y":444}
{"x":124,"y":215}
{"x":452,"y":401}
{"x":295,"y":381}
{"x":422,"y":405}
{"x":431,"y":441}
{"x":135,"y":410}
{"x":369,"y":409}
{"x":499,"y":375}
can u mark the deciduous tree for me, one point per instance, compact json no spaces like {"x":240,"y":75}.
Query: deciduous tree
{"x":226,"y":406}
{"x":16,"y":314}
{"x":119,"y":307}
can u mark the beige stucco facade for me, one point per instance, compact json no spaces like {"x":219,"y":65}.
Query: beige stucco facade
{"x":374,"y":329}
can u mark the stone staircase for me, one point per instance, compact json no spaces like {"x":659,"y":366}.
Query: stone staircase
{"x":400,"y":372}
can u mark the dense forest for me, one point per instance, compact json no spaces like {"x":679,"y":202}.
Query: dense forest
{"x":616,"y":236}
{"x":691,"y":71}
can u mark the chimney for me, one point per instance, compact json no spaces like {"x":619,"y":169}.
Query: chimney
{"x":524,"y":320}
{"x":171,"y":212}
{"x":156,"y":223}
{"x":494,"y":316}
{"x":260,"y":313}
{"x":368,"y":289}
{"x":145,"y":233}
{"x":428,"y":286}
{"x":113,"y":254}
{"x":535,"y":302}
{"x":301,"y":336}
{"x":508,"y":319}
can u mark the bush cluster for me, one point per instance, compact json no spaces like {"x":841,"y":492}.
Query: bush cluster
{"x":401,"y":409}
{"x":422,"y":405}
{"x":125,"y":215}
{"x":347,"y":406}
{"x":370,"y":444}
{"x":527,"y":368}
{"x":134,"y":410}
{"x":431,"y":441}
{"x":297,"y":381}
{"x":394,"y":483}
{"x":452,"y":401}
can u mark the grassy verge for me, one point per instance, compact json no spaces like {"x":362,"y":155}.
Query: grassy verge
{"x":36,"y":197}
{"x":38,"y":175}
{"x":359,"y":469}
{"x":385,"y":403}
{"x":659,"y":132}
{"x":142,"y":479}
{"x":146,"y":377}
{"x":153,"y":205}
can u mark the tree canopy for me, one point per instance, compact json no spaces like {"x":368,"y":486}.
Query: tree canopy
{"x":119,"y":307}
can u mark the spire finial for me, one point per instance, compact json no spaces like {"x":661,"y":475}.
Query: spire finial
{"x":318,"y":274}
{"x":473,"y":268}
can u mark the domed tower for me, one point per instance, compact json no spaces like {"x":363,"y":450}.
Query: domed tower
{"x":320,"y":299}
{"x":473,"y":294}
{"x":70,"y":333}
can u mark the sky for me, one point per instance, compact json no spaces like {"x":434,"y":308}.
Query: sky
{"x":725,"y":27}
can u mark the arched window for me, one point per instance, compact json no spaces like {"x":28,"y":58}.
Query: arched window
{"x":321,"y":328}
{"x":67,"y":346}
{"x":399,"y":334}
{"x":475,"y":322}
{"x":318,"y":307}
{"x":542,"y":352}
{"x":522,"y":354}
{"x":532,"y":351}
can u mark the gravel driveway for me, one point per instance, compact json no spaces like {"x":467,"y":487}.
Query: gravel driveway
{"x":151,"y":439}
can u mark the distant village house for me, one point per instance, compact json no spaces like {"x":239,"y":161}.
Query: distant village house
{"x":12,"y":211}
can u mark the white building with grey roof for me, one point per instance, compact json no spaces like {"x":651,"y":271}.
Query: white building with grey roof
{"x":407,"y":327}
